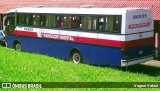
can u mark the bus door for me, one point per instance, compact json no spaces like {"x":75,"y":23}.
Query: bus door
{"x":10,"y":23}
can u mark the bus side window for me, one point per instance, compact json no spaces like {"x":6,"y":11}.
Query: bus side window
{"x":113,"y":23}
{"x":36,"y":20}
{"x":42,"y":21}
{"x":95,"y":23}
{"x":106,"y":24}
{"x":61,"y":22}
{"x":79,"y":22}
{"x":101,"y":22}
{"x":58,"y":21}
{"x":110,"y":23}
{"x":21,"y":19}
{"x":27,"y":22}
{"x":49,"y":21}
{"x":30,"y":20}
{"x":86,"y":22}
{"x":117,"y":24}
{"x":76,"y":22}
{"x":67,"y":21}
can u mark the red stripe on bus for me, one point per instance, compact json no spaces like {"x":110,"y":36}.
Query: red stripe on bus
{"x":120,"y":44}
{"x":87,"y":40}
{"x":136,"y":43}
{"x":105,"y":42}
{"x":96,"y":41}
{"x":113,"y":43}
{"x":25,"y":33}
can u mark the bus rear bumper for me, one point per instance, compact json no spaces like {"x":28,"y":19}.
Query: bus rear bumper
{"x":136,"y":61}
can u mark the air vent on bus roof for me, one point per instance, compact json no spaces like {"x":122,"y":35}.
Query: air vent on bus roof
{"x":38,"y":6}
{"x":86,"y":6}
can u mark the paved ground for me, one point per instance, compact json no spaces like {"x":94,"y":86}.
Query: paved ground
{"x":153,"y":63}
{"x":151,"y":68}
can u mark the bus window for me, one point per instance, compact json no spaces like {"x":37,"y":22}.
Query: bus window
{"x":42,"y":20}
{"x":74,"y":22}
{"x":106,"y":24}
{"x":10,"y":21}
{"x":112,"y":23}
{"x":36,"y":20}
{"x":50,"y":21}
{"x":21,"y":19}
{"x":67,"y":20}
{"x":101,"y":23}
{"x":29,"y":19}
{"x":86,"y":22}
{"x":117,"y":24}
{"x":79,"y":22}
{"x":28,"y":22}
{"x":95,"y":23}
{"x":57,"y":21}
{"x":61,"y":22}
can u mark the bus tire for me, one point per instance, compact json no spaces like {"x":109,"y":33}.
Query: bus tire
{"x":17,"y":46}
{"x":76,"y":57}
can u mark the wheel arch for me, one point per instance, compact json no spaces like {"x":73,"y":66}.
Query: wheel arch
{"x":15,"y":42}
{"x":74,"y":50}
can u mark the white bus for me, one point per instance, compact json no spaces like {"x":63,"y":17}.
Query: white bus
{"x":99,"y":36}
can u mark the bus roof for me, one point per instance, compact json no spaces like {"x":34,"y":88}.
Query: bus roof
{"x":108,"y":11}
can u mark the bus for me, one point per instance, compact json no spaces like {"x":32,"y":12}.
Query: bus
{"x":97,"y":36}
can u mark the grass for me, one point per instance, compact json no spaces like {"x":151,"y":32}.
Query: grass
{"x":26,"y":67}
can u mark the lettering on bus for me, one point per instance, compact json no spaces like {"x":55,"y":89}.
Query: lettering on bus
{"x":140,"y":16}
{"x":57,"y":36}
{"x":140,"y":25}
{"x":28,"y":28}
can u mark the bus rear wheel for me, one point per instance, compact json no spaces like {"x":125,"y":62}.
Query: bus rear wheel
{"x":76,"y":57}
{"x":18,"y":46}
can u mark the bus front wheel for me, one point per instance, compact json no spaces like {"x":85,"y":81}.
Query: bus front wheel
{"x":76,"y":57}
{"x":18,"y":46}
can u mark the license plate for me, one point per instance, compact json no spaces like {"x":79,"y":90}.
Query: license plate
{"x":140,"y":52}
